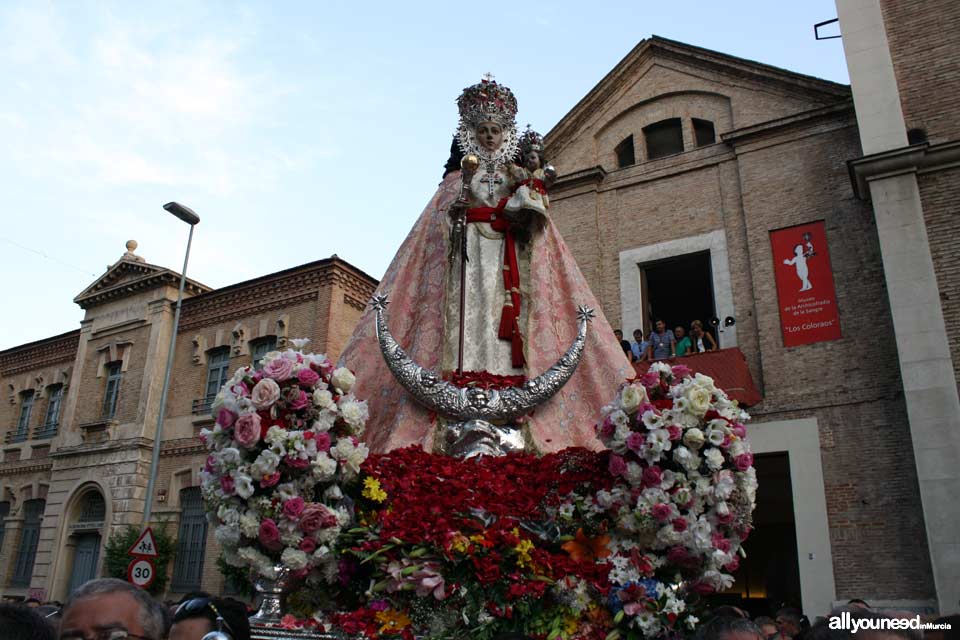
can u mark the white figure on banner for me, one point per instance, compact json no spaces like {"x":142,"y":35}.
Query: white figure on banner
{"x":801,"y":253}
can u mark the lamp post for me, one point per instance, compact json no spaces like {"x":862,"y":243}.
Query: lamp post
{"x":187,"y":215}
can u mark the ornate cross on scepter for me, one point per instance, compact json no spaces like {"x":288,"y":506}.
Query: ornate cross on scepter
{"x":488,"y":76}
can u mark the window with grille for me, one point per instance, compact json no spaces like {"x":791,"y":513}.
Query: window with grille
{"x":191,"y":542}
{"x":114,"y":372}
{"x":26,"y":410}
{"x":218,"y":371}
{"x":29,"y":536}
{"x":261,"y":347}
{"x":663,"y":138}
{"x":625,"y":153}
{"x":4,"y":512}
{"x":94,"y":508}
{"x":52,"y":418}
{"x":703,"y":132}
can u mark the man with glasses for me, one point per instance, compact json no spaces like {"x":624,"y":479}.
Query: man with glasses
{"x":202,"y":617}
{"x":111,"y":609}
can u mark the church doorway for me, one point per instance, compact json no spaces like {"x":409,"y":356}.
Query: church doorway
{"x":678,"y":290}
{"x":769,"y":577}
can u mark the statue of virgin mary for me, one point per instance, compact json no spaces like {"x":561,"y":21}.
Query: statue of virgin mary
{"x":520,"y":284}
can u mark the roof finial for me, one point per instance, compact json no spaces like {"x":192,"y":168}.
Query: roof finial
{"x":130,"y":255}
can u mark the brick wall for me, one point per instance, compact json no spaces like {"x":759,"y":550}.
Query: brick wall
{"x":924,"y":39}
{"x":940,"y":195}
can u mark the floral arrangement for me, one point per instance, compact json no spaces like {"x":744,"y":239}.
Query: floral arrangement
{"x":283,"y":449}
{"x":576,"y":544}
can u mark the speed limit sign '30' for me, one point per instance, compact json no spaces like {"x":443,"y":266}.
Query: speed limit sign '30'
{"x":141,"y":572}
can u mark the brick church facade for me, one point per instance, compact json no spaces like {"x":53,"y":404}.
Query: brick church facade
{"x":675,"y":171}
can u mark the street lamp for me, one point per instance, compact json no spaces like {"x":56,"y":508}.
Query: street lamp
{"x":187,"y":215}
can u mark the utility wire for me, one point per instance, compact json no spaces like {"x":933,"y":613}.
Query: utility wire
{"x":44,"y":255}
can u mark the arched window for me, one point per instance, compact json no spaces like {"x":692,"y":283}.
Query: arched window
{"x":191,"y":542}
{"x":704,"y":132}
{"x":625,"y":153}
{"x":29,"y":537}
{"x":93,"y":508}
{"x":663,"y":138}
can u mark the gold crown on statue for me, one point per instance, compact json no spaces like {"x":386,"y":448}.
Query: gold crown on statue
{"x":487,"y":101}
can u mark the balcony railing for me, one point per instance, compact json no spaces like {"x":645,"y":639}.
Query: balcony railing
{"x":201,"y":406}
{"x":15,"y":435}
{"x":45,"y":431}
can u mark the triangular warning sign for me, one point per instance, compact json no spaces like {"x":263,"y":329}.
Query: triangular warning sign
{"x":145,"y":545}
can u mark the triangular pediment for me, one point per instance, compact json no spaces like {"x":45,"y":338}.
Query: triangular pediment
{"x":130,"y":277}
{"x":658,"y":66}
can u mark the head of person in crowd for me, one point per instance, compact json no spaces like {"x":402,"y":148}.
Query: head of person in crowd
{"x":733,"y":627}
{"x":33,"y":603}
{"x":679,"y":332}
{"x":618,"y":333}
{"x":659,"y":325}
{"x":789,"y":622}
{"x":768,"y":627}
{"x":18,"y":622}
{"x":110,"y":608}
{"x":197,"y":617}
{"x":857,"y":603}
{"x":638,"y":336}
{"x":726,"y":610}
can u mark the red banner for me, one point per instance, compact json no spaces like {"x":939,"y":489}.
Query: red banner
{"x":808,"y":301}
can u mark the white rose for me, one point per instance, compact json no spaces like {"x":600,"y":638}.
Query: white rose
{"x":715,"y":436}
{"x":714,"y":458}
{"x":285,"y":491}
{"x":294,"y":558}
{"x":652,"y":420}
{"x":631,"y":397}
{"x":323,"y":467}
{"x":354,"y":414}
{"x":322,"y":398}
{"x":693,"y":438}
{"x":228,"y":515}
{"x":266,"y":463}
{"x":326,"y":420}
{"x":698,"y":399}
{"x":343,"y":379}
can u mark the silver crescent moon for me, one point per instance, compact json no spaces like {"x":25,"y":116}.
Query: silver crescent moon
{"x":427,"y":387}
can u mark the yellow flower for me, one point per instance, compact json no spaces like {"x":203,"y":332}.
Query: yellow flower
{"x":392,"y":621}
{"x":523,"y":550}
{"x":570,"y":624}
{"x":372,"y":490}
{"x":460,"y":543}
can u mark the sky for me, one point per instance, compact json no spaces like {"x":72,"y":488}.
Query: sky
{"x":295,"y":130}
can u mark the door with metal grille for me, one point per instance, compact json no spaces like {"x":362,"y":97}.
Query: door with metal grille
{"x":85,"y":559}
{"x":191,"y":541}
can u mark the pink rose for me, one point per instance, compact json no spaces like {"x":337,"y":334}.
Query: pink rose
{"x":269,"y":535}
{"x":607,"y":429}
{"x":652,"y":476}
{"x":743,"y":461}
{"x":225,"y":417}
{"x":650,"y":379}
{"x":298,"y":399}
{"x":617,"y":465}
{"x":739,"y":430}
{"x":719,"y":542}
{"x":308,"y":545}
{"x":307,"y":377}
{"x":316,"y":516}
{"x":240,"y":390}
{"x":278,"y":369}
{"x":675,"y":432}
{"x":227,"y":485}
{"x":247,"y":430}
{"x":326,"y":367}
{"x":289,"y":622}
{"x":270,"y":480}
{"x":293,"y":507}
{"x":635,"y":441}
{"x":681,"y":371}
{"x":733,"y":565}
{"x":678,"y":556}
{"x":662,"y":512}
{"x":210,"y":464}
{"x":265,"y":393}
{"x":679,"y":524}
{"x":703,"y":588}
{"x":323,"y":441}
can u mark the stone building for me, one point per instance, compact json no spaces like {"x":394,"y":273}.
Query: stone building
{"x":678,"y":170}
{"x":81,"y":411}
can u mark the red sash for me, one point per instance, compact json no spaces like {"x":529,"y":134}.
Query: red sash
{"x":510,"y":316}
